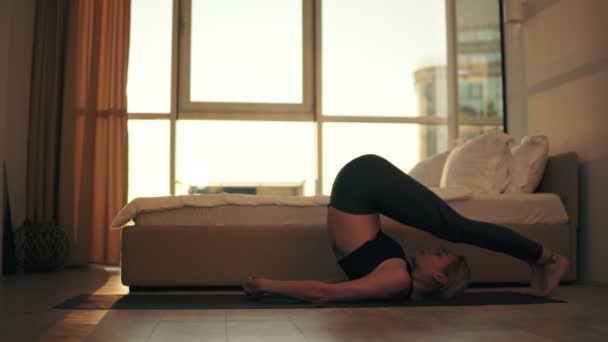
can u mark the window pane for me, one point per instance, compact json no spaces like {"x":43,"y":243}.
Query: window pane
{"x":148,"y":158}
{"x":373,"y":52}
{"x":244,"y":156}
{"x":401,"y":144}
{"x":246,"y":51}
{"x":479,"y":59}
{"x":149,"y":75}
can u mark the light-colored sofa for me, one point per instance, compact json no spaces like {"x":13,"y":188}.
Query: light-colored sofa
{"x":173,"y":255}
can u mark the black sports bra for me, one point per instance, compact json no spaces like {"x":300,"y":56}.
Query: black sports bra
{"x":372,"y":253}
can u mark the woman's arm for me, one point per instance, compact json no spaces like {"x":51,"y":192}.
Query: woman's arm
{"x":377,"y":285}
{"x":308,"y":290}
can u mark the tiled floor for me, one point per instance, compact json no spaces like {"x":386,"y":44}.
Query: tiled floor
{"x":26,"y":314}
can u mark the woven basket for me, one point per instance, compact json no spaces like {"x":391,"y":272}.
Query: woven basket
{"x":41,"y":247}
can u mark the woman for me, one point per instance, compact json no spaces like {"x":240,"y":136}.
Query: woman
{"x":376,"y":264}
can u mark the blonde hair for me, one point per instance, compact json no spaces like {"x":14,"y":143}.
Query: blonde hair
{"x":459,"y":276}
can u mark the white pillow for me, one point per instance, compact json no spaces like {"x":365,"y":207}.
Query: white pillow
{"x":483,"y":164}
{"x":529,"y":160}
{"x":428,"y":171}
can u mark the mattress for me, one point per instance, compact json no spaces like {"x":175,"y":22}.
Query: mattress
{"x":514,"y":208}
{"x":501,"y":209}
{"x":143,"y":205}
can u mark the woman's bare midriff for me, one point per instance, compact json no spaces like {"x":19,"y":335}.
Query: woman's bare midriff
{"x":348,"y":232}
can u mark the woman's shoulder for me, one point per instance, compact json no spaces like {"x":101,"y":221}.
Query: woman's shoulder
{"x":392,"y":270}
{"x":397,"y":266}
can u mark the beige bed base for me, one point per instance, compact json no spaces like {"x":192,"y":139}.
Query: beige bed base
{"x":169,"y":256}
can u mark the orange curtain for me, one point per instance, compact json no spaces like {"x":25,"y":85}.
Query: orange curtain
{"x":93,"y":168}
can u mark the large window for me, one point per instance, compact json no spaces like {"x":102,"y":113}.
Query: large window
{"x":150,"y":57}
{"x":274,"y":96}
{"x":371,"y":50}
{"x":242,"y":57}
{"x":246,"y":51}
{"x":270,"y":156}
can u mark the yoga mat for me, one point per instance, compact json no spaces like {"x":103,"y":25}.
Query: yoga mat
{"x":240,"y":301}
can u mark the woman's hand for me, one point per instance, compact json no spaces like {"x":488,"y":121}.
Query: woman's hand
{"x":253,"y":287}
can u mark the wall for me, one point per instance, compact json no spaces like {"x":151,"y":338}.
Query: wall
{"x":564,"y":55}
{"x":16,"y":41}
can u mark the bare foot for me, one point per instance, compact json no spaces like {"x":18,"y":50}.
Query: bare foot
{"x":546,"y":277}
{"x":538,"y":280}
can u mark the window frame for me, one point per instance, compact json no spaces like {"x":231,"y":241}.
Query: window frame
{"x":311,"y":108}
{"x":242,"y":110}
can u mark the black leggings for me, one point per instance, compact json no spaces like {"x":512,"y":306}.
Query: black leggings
{"x":371,"y":184}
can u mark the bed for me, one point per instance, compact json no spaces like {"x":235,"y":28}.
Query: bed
{"x":221,"y":240}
